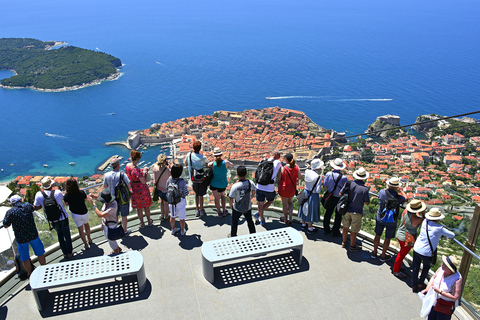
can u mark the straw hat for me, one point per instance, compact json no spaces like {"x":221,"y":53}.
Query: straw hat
{"x":450,"y":262}
{"x":217,"y":152}
{"x":337,"y":164}
{"x":434,"y":214}
{"x":361,"y":174}
{"x":316,"y":164}
{"x":416,"y":206}
{"x":47,"y":182}
{"x":394,"y":182}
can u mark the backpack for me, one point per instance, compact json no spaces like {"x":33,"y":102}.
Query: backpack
{"x":174,"y":195}
{"x":264,"y":172}
{"x":52,"y":209}
{"x":342,"y":204}
{"x":243,"y":204}
{"x":198,"y":176}
{"x":122,"y":193}
{"x":391,"y":209}
{"x":20,"y":269}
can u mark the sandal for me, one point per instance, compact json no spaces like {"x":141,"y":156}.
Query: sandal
{"x":282,"y":218}
{"x":150,"y":223}
{"x":290,"y":222}
{"x":86,"y":246}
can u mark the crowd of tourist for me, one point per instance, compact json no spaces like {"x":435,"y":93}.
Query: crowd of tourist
{"x":343,"y":199}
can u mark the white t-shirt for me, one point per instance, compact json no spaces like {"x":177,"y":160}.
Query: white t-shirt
{"x":58,"y":197}
{"x":271,"y":187}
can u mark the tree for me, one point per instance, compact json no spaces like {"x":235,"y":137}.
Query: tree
{"x":30,"y":196}
{"x":368,"y":155}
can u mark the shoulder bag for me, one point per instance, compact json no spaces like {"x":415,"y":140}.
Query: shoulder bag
{"x":114,"y":234}
{"x":433,"y":258}
{"x":327,"y":196}
{"x":302,"y":198}
{"x":409,"y":238}
{"x":155,"y":192}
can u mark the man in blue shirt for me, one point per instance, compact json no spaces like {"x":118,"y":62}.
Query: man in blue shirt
{"x":20,"y":217}
{"x":393,"y":186}
{"x":358,"y":196}
{"x":334,"y":182}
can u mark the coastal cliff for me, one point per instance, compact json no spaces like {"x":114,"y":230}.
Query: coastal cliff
{"x":383,"y":122}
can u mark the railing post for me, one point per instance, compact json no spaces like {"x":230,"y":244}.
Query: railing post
{"x":470,"y":244}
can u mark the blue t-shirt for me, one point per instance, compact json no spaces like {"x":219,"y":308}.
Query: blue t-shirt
{"x":357,"y":196}
{"x":330,"y":179}
{"x":219,"y":179}
{"x":21,"y":219}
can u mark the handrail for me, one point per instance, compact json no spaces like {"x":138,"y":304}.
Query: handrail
{"x":466,"y":249}
{"x":92,"y":186}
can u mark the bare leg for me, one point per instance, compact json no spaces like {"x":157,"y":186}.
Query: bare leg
{"x":87,"y":232}
{"x":42,"y":260}
{"x":386,"y":244}
{"x":197,"y":202}
{"x":26,"y":265}
{"x":124,"y":223}
{"x":147,"y":213}
{"x":222,"y":198}
{"x":172,"y":222}
{"x":376,"y":242}
{"x":165,"y":209}
{"x":285,"y":208}
{"x":290,"y":208}
{"x":200,"y":202}
{"x":82,"y":236}
{"x":353,"y":237}
{"x":345,"y":234}
{"x":260,"y":210}
{"x":140,"y":216}
{"x":217,"y":201}
{"x":182,"y":225}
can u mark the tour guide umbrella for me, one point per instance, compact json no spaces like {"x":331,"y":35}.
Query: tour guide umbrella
{"x":4,"y":193}
{"x":6,"y":234}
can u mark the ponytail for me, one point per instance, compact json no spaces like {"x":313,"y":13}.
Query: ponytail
{"x":292,"y":163}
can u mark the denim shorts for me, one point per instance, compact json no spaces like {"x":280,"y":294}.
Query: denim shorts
{"x":380,"y":226}
{"x":23,"y":249}
{"x":162,"y":195}
{"x":269,"y":195}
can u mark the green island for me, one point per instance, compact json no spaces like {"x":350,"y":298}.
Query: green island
{"x":41,"y":66}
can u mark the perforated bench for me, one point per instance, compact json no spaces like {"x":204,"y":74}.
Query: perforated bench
{"x":86,"y":270}
{"x":255,"y":244}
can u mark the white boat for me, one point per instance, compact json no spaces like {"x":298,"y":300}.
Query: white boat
{"x":47,"y":134}
{"x":45,"y":165}
{"x":71,"y":163}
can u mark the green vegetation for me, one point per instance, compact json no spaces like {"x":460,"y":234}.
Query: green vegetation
{"x":52,"y":69}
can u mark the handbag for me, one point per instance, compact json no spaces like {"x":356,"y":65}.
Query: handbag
{"x":302,"y":198}
{"x":114,"y":234}
{"x":327,"y":196}
{"x":409,"y":238}
{"x":428,"y":301}
{"x":155,"y":192}
{"x":433,"y":258}
{"x":296,"y":191}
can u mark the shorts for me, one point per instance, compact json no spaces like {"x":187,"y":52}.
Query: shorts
{"x":353,"y":221}
{"x":391,"y":228}
{"x":80,"y":219}
{"x":23,"y":250}
{"x":220,"y":190}
{"x":179,"y":210}
{"x":261,"y":195}
{"x":200,"y":189}
{"x":162,"y":195}
{"x":123,"y":210}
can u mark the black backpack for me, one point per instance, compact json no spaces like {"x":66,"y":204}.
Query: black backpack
{"x":52,"y":209}
{"x":174,"y":195}
{"x":20,"y":269}
{"x":122,"y":193}
{"x":342,"y":204}
{"x":264,"y":172}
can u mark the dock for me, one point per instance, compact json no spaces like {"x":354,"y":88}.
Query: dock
{"x":106,"y":163}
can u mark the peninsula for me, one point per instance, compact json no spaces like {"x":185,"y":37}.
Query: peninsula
{"x":40,"y":65}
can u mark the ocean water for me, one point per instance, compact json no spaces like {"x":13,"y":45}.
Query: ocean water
{"x":341,"y":62}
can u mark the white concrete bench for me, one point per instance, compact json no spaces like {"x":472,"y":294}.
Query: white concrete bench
{"x":249,"y":245}
{"x":86,"y":270}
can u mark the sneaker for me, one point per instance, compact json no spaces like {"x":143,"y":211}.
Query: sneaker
{"x":312,"y":231}
{"x":202,"y":212}
{"x":220,"y":215}
{"x":257,"y":219}
{"x":197,"y":213}
{"x":183,"y":232}
{"x":356,"y":248}
{"x":400,"y":275}
{"x":344,"y":244}
{"x":304,"y":227}
{"x":374,"y":255}
{"x":262,"y":222}
{"x":387,"y":257}
{"x":225,"y":212}
{"x":175,"y":230}
{"x":128,"y":232}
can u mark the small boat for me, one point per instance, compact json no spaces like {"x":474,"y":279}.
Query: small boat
{"x":11,"y":164}
{"x":71,"y":163}
{"x":144,"y":148}
{"x":45,"y":165}
{"x":165,"y":147}
{"x":268,"y":98}
{"x":47,"y":134}
{"x":2,"y":170}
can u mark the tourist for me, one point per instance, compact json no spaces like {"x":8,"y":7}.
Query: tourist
{"x":219,"y":182}
{"x":266,"y":186}
{"x":358,"y":196}
{"x":20,"y":217}
{"x":287,"y":187}
{"x":313,"y":185}
{"x":179,"y":209}
{"x":333,"y":182}
{"x":391,"y":199}
{"x":75,"y":199}
{"x":161,"y":173}
{"x":242,"y":192}
{"x":197,"y":161}
{"x":111,"y":181}
{"x":60,"y":225}
{"x":426,"y":246}
{"x":447,"y":283}
{"x":412,"y":217}
{"x":109,"y":216}
{"x":141,"y":199}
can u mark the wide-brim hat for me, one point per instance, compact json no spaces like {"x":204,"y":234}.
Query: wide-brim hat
{"x":394,"y":182}
{"x":217,"y":152}
{"x":105,"y":196}
{"x":434,"y":214}
{"x":316,"y":164}
{"x":161,"y":158}
{"x":416,"y":205}
{"x":361,"y":174}
{"x":337,"y":164}
{"x":450,"y":262}
{"x":47,"y":182}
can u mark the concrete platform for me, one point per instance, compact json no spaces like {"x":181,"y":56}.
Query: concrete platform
{"x":331,"y":283}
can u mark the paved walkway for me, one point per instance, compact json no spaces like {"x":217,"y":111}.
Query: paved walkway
{"x":331,"y":283}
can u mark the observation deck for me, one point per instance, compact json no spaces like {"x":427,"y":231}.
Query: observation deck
{"x":331,"y":282}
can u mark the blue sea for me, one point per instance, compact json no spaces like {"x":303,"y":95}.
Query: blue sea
{"x":341,"y":62}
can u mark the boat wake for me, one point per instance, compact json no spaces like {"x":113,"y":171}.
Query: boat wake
{"x":295,"y":97}
{"x":55,"y":136}
{"x":344,"y":100}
